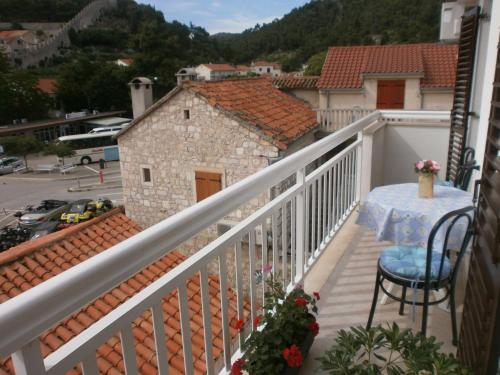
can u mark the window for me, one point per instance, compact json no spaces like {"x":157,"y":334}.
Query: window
{"x":187,"y":114}
{"x":146,"y":175}
{"x":269,"y":70}
{"x":390,"y":94}
{"x":207,"y":184}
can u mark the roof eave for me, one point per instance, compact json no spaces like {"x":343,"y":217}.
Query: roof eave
{"x":394,"y":75}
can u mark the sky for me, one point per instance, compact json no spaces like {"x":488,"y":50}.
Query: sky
{"x":231,"y":16}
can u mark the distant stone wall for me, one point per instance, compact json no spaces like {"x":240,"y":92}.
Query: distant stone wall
{"x":49,"y":48}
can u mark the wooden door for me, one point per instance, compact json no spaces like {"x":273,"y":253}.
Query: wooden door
{"x":462,"y":91}
{"x":391,"y":94}
{"x":479,"y":346}
{"x":207,"y":184}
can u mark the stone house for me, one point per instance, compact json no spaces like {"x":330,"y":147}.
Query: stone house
{"x":266,"y":68}
{"x":204,"y":136}
{"x":209,"y":72}
{"x":301,"y":87}
{"x":12,"y":41}
{"x":406,"y":76}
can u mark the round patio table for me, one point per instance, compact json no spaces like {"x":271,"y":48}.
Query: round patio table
{"x":396,"y":214}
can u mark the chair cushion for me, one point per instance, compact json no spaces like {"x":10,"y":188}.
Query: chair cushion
{"x":409,"y":262}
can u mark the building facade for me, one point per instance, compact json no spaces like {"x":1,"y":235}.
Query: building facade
{"x":266,"y":68}
{"x":301,"y":87}
{"x":411,"y":77}
{"x":203,"y":137}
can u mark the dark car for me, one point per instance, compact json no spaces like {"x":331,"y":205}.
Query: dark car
{"x":48,"y":210}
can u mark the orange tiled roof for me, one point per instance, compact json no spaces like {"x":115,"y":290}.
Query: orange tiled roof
{"x":296,"y":82}
{"x":220,"y":67}
{"x":259,"y":103}
{"x":242,"y":68}
{"x":47,"y":85}
{"x":33,"y":262}
{"x":267,"y":63}
{"x":344,"y":67}
{"x":9,"y":34}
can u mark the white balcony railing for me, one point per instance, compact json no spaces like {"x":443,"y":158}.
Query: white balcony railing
{"x":317,"y":205}
{"x":336,"y":119}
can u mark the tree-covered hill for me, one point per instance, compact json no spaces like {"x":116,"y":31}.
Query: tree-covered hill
{"x":314,"y":27}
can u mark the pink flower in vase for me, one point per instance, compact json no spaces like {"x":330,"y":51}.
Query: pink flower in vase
{"x":419,"y":164}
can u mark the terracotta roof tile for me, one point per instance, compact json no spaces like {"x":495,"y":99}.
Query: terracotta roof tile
{"x":47,"y":85}
{"x":344,"y":67}
{"x":295,"y":82}
{"x":30,"y":263}
{"x":257,"y":102}
{"x":220,"y":67}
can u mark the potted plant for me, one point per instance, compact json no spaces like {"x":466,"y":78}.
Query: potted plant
{"x":389,"y":351}
{"x":426,"y":170}
{"x":282,"y":335}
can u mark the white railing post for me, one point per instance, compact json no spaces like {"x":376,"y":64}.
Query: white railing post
{"x":300,"y":213}
{"x":28,"y":360}
{"x":359,"y":166}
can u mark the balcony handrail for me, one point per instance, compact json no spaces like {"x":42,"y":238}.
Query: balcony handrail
{"x":26,"y":316}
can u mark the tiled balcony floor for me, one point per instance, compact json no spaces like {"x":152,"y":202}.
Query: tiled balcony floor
{"x":346,"y":293}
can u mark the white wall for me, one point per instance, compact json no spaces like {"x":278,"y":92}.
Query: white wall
{"x":406,"y":144}
{"x":437,"y":101}
{"x":366,"y":98}
{"x":391,"y":150}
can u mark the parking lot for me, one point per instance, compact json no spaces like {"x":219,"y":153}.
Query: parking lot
{"x":19,"y":190}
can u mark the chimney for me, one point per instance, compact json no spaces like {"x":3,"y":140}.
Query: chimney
{"x":141,"y":91}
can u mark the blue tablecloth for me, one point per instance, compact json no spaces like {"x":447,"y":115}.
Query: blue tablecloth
{"x":396,"y":214}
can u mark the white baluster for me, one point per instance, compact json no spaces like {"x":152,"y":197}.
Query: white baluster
{"x":185,"y":329}
{"x":128,"y":350}
{"x":160,"y":342}
{"x":226,"y":336}
{"x":301,"y":220}
{"x":207,"y":322}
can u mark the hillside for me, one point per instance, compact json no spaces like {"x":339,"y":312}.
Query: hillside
{"x":319,"y":24}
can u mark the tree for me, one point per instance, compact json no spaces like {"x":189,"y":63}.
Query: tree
{"x":315,"y":64}
{"x":21,"y":146}
{"x":85,"y":84}
{"x":19,"y":95}
{"x":61,"y":150}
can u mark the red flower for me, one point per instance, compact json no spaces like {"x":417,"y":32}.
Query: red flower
{"x":293,"y":356}
{"x":314,"y":328}
{"x":256,"y":321}
{"x":236,"y":367}
{"x":240,"y":324}
{"x":300,"y":301}
{"x":316,"y":295}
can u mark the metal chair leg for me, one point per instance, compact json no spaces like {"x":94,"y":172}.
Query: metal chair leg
{"x":374,"y":302}
{"x":453,"y":317}
{"x":402,"y":304}
{"x":426,"y":310}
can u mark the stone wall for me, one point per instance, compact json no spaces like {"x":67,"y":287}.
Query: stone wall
{"x":50,"y":47}
{"x":174,"y":148}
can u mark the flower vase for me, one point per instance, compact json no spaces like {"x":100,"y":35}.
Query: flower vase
{"x":425,"y":185}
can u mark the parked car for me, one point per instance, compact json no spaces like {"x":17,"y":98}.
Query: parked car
{"x":85,"y":209}
{"x":8,"y":164}
{"x":48,"y":210}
